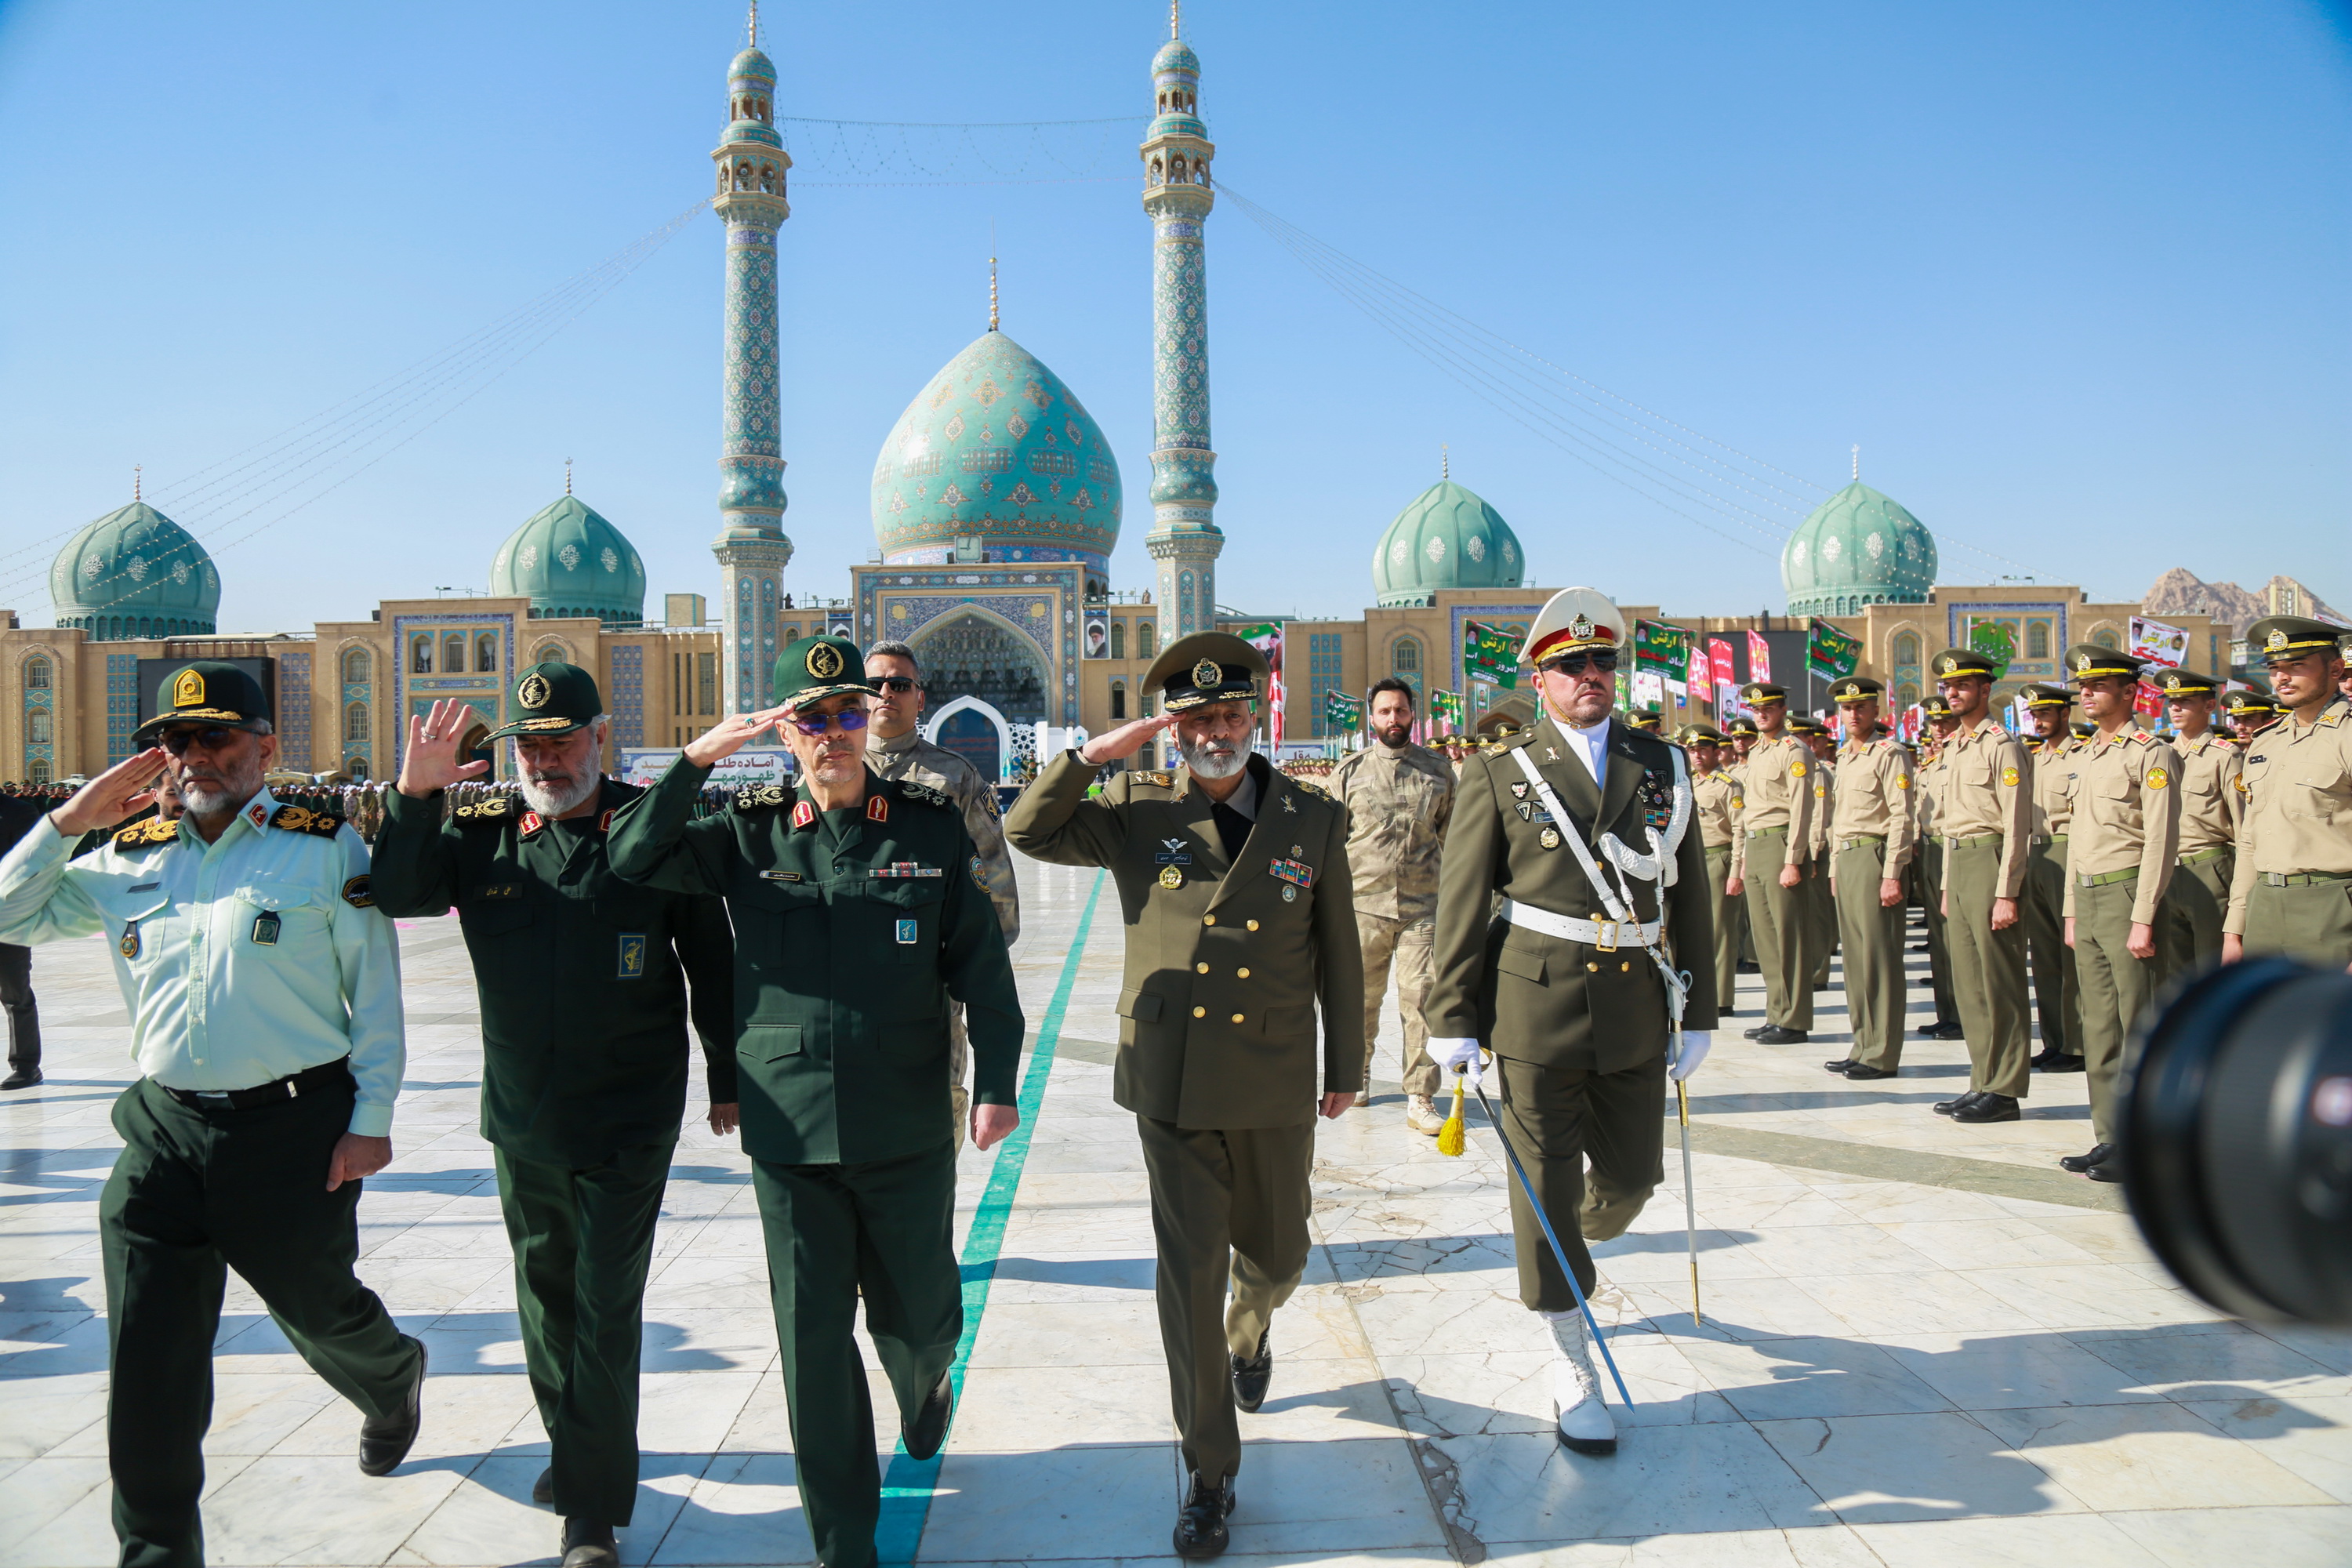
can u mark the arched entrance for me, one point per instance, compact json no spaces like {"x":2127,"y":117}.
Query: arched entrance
{"x":974,"y":732}
{"x":970,"y":653}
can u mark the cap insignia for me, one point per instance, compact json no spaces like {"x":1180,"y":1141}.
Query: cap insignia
{"x":823,"y":661}
{"x":1207,"y":673}
{"x":2275,"y":641}
{"x":1581,"y":629}
{"x":188,"y":688}
{"x":533,"y":692}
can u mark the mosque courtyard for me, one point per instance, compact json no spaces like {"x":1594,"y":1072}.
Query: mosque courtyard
{"x":1923,"y":1345}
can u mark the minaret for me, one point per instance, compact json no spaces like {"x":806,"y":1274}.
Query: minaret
{"x":751,"y":548}
{"x":1184,"y":542}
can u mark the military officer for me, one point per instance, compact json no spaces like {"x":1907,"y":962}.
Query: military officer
{"x":1399,"y":799}
{"x":1715,"y":800}
{"x":1650,"y":721}
{"x":2056,"y":754}
{"x":1777,"y":837}
{"x":897,"y":750}
{"x":1823,"y":933}
{"x":1983,"y":819}
{"x":1871,"y":837}
{"x":2124,"y":837}
{"x":2291,"y":889}
{"x":1565,"y":994}
{"x":2250,"y":711}
{"x":1739,"y":738}
{"x":1928,"y":870}
{"x":2210,"y":807}
{"x":1240,"y":907}
{"x":264,"y":993}
{"x":584,"y":980}
{"x":860,"y":910}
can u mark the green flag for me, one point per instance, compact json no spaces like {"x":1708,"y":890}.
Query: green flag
{"x":1996,"y":642}
{"x":1342,"y":711}
{"x":1830,"y":652}
{"x":1446,"y":706}
{"x":1657,"y":646}
{"x":1490,"y":655}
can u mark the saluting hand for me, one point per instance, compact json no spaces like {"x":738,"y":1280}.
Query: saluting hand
{"x":429,"y":764}
{"x":113,"y":796}
{"x":1125,"y":740}
{"x":732,"y":735}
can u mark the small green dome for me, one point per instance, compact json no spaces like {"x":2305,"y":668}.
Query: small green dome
{"x":1176,"y":55}
{"x":752,"y":64}
{"x":134,"y":572}
{"x":1857,"y":548}
{"x":1448,"y":537}
{"x":569,"y":560}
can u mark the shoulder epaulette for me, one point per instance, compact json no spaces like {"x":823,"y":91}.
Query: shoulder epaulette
{"x":484,"y":812}
{"x":1303,"y":787}
{"x":147,"y":835}
{"x":925,"y":793}
{"x":302,"y":819}
{"x":1158,"y":778}
{"x":2142,"y":737}
{"x":761,"y":796}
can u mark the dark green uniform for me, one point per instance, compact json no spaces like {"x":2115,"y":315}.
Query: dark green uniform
{"x":853,"y":930}
{"x":584,"y":980}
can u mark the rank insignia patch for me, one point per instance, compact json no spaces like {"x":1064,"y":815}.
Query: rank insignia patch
{"x":803,"y":814}
{"x":632,"y":956}
{"x":877,"y":806}
{"x":907,"y":929}
{"x":2157,"y":778}
{"x":359,"y":894}
{"x":1518,"y":789}
{"x":1549,"y":838}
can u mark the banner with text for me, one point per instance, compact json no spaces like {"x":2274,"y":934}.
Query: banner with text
{"x":1760,"y":657}
{"x":1829,"y":652}
{"x":1490,"y":655}
{"x":2153,"y":642}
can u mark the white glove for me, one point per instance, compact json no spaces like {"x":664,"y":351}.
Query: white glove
{"x":1685,"y":1062}
{"x":1458,"y":1054}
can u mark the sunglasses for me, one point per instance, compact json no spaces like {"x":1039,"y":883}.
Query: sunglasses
{"x":897,"y":684}
{"x":211,"y":738}
{"x":850,"y":721}
{"x":1603,"y":660}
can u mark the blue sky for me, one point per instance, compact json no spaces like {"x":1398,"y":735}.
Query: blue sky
{"x":2072,"y":276}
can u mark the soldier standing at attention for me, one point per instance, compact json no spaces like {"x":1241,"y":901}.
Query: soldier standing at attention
{"x":1872,"y":840}
{"x":1714,"y":804}
{"x":1238,"y":895}
{"x":1399,"y":799}
{"x":264,"y":993}
{"x":1575,"y":1012}
{"x":2250,"y":711}
{"x":859,"y":914}
{"x":2057,"y":757}
{"x":1983,"y":814}
{"x":583,"y":1079}
{"x":1824,"y":935}
{"x":897,"y":750}
{"x":2290,"y":889}
{"x":2119,"y":857}
{"x":1776,"y":838}
{"x":1928,"y":870}
{"x":2210,"y":807}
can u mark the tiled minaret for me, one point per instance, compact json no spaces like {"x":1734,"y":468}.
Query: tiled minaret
{"x":1184,"y":542}
{"x":751,"y":548}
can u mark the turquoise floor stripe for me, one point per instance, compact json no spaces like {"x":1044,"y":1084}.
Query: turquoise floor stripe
{"x":907,"y":1488}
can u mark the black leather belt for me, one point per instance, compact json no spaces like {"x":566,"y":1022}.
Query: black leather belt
{"x":308,"y":1081}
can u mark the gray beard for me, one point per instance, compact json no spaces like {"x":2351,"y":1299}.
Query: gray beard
{"x":553,"y":803}
{"x":1204,"y":765}
{"x":206,"y":798}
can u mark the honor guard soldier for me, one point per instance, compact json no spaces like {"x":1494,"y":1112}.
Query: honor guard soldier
{"x":2124,"y":836}
{"x":859,"y":913}
{"x":1239,"y":900}
{"x":1871,"y":838}
{"x":1399,"y":799}
{"x":2250,"y":711}
{"x":2290,"y":889}
{"x":583,"y":982}
{"x":2057,"y":756}
{"x":1568,"y":999}
{"x":2210,"y":807}
{"x":1824,"y":904}
{"x":1983,"y":817}
{"x":897,"y":750}
{"x":1776,"y":851}
{"x":1715,"y":799}
{"x":1927,"y":868}
{"x":264,"y":993}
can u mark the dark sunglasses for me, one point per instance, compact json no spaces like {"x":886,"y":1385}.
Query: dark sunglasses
{"x":896,"y":683}
{"x":1601,"y":659}
{"x":211,"y":738}
{"x":849,"y":720}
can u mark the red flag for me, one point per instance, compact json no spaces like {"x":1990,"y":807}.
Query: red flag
{"x":1760,"y":657}
{"x":1719,"y":653}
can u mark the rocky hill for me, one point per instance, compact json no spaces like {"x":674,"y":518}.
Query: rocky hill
{"x":2181,"y":592}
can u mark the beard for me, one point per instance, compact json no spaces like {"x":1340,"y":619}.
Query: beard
{"x":552,"y":797}
{"x":1394,"y":735}
{"x":230,"y":787}
{"x":1213,"y":760}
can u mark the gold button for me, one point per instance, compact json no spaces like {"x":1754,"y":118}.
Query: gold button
{"x":1200,"y":969}
{"x":1241,"y":973}
{"x":1199,"y":1012}
{"x":1593,"y":968}
{"x":1250,"y":924}
{"x":1626,"y":967}
{"x":1208,"y":920}
{"x":1238,"y":1018}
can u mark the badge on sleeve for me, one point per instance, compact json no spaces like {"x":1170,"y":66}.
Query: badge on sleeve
{"x":359,"y":893}
{"x":906,"y":933}
{"x":632,"y":957}
{"x":2009,"y":778}
{"x":979,"y":874}
{"x":1796,"y":769}
{"x":2157,"y":778}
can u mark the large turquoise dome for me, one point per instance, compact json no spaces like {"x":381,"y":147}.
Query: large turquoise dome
{"x":997,"y":448}
{"x":1857,"y":548}
{"x":1447,"y":538}
{"x":135,"y":574}
{"x":569,"y":560}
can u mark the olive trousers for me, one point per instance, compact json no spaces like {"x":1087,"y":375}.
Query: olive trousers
{"x":1871,"y":935}
{"x":2056,"y":985}
{"x":2309,"y":921}
{"x":2116,"y":988}
{"x":1926,"y":885}
{"x":1558,"y":1119}
{"x":1783,"y":919}
{"x":1987,"y":971}
{"x":2195,"y":906}
{"x":1730,"y":916}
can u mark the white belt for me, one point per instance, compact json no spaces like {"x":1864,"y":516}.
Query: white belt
{"x":1605,"y":935}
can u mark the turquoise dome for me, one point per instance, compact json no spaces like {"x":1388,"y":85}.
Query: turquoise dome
{"x":1447,"y":538}
{"x":997,"y":447}
{"x":135,"y":574}
{"x":1176,"y":55}
{"x":569,"y":560}
{"x":1857,"y":548}
{"x":752,"y":63}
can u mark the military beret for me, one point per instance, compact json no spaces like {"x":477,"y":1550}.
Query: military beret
{"x":1959,"y":661}
{"x":2089,"y":661}
{"x":1855,"y":689}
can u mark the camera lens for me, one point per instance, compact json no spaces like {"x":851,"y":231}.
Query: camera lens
{"x":2237,"y":1127}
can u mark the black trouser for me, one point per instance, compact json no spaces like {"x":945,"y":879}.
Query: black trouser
{"x":1556,"y":1118}
{"x":196,"y":1192}
{"x":16,"y":997}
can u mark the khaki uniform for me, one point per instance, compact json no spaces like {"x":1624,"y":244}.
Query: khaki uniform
{"x":1927,"y":882}
{"x":2057,"y":1000}
{"x":2124,"y":836}
{"x":909,"y":756}
{"x":1714,"y":808}
{"x":2210,"y":807}
{"x":1776,"y":830}
{"x":1399,"y":802}
{"x":1984,"y":816}
{"x":1872,"y":840}
{"x":1823,"y":900}
{"x":2290,"y":889}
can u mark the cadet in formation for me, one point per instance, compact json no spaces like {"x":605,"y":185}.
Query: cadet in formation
{"x":584,"y":980}
{"x":263,"y":992}
{"x":2055,"y":751}
{"x":860,"y":914}
{"x":1775,"y":857}
{"x":1714,"y":805}
{"x":1927,"y":868}
{"x":17,"y":815}
{"x":1400,"y":797}
{"x":1237,"y":892}
{"x":1568,"y":999}
{"x":2250,"y":711}
{"x":1871,"y":838}
{"x":1822,"y":930}
{"x":2291,"y":888}
{"x":2210,"y":807}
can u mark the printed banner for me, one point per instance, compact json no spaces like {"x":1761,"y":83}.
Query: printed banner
{"x":1760,"y":657}
{"x":2153,"y":642}
{"x":1997,"y":643}
{"x":2147,"y":702}
{"x":1342,"y":711}
{"x":1490,"y":655}
{"x":1657,"y":646}
{"x":1829,"y":652}
{"x":1649,"y":689}
{"x":1446,"y":706}
{"x":1719,"y":653}
{"x":1267,"y":637}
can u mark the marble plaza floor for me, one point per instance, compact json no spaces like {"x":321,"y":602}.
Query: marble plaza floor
{"x":1922,"y":1345}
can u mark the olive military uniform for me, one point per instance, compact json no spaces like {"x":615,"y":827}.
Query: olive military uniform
{"x":1871,"y":838}
{"x":2057,"y":1002}
{"x":2211,"y":805}
{"x":1776,"y":830}
{"x":1398,"y":800}
{"x":1927,"y":881}
{"x":1715,"y":799}
{"x":2290,"y":889}
{"x":1983,"y":817}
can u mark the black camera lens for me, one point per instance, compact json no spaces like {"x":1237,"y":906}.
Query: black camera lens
{"x":2237,"y":1130}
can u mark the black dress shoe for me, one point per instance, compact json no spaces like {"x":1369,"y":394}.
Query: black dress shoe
{"x":1947,"y":1106}
{"x":2057,"y":1061}
{"x":1858,"y":1073}
{"x":1200,"y":1524}
{"x":1989,"y":1107}
{"x":2078,"y":1163}
{"x":1752,"y":1033}
{"x":587,"y":1545}
{"x":2110,"y":1169}
{"x":384,"y":1440}
{"x":22,"y":1077}
{"x":929,"y":1428}
{"x":1252,"y":1373}
{"x":542,"y":1490}
{"x":1841,"y":1065}
{"x":1774,"y":1035}
{"x":1943,"y":1029}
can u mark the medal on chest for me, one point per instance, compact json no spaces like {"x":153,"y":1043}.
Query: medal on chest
{"x":1549,"y":838}
{"x":1293,"y":875}
{"x":1173,"y":856}
{"x":129,"y":946}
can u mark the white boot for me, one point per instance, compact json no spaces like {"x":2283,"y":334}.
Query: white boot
{"x":1420,"y":1114}
{"x":1584,"y":1424}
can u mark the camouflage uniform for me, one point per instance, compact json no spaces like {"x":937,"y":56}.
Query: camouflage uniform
{"x":1399,"y":804}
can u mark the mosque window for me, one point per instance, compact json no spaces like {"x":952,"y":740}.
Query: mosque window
{"x":706,"y":682}
{"x":420,"y":655}
{"x":1404,"y":658}
{"x":355,"y":725}
{"x":486,"y":650}
{"x":551,"y":652}
{"x":39,"y":728}
{"x":768,"y":178}
{"x":1117,"y":640}
{"x":38,"y":771}
{"x":1155,"y":171}
{"x":1146,"y":639}
{"x":1906,"y":694}
{"x":1117,"y":700}
{"x":2107,"y":636}
{"x":452,"y":654}
{"x":37,"y":675}
{"x":1907,"y":647}
{"x":2037,"y":639}
{"x":356,"y":664}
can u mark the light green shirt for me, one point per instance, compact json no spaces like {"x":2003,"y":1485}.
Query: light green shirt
{"x":241,"y":961}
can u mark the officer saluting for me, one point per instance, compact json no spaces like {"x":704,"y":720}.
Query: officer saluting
{"x":2210,"y":807}
{"x":859,"y":913}
{"x":2291,"y":892}
{"x":264,"y":993}
{"x":1237,"y":886}
{"x":1574,"y":1010}
{"x":582,"y":979}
